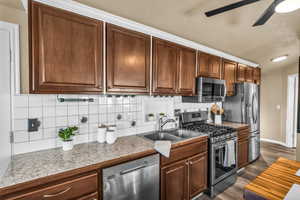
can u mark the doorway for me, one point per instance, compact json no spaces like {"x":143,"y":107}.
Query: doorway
{"x":292,"y":107}
{"x":9,"y":67}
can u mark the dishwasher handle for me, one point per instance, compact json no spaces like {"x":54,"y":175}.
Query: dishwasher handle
{"x":127,"y":171}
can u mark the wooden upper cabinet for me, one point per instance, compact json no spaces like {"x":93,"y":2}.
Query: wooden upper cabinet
{"x":186,"y":72}
{"x":241,"y":73}
{"x":128,"y":60}
{"x":174,"y":181}
{"x":209,"y":65}
{"x":203,"y":64}
{"x":215,"y":67}
{"x":229,"y":75}
{"x":197,"y":174}
{"x":249,"y":74}
{"x":257,"y":75}
{"x":65,"y":51}
{"x":166,"y":60}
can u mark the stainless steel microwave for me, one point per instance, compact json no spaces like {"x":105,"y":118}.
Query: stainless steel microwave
{"x":208,"y":90}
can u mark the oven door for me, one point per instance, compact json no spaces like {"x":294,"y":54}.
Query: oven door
{"x":218,"y":170}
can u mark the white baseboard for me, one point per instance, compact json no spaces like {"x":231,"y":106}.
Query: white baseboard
{"x":274,"y":142}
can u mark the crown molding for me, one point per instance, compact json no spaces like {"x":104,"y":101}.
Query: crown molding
{"x":91,"y":12}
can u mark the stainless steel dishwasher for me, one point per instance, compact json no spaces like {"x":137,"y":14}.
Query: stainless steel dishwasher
{"x":135,"y":180}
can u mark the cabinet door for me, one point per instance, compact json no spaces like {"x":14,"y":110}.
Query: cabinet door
{"x":197,"y":174}
{"x":128,"y":60}
{"x":256,"y":75}
{"x":186,"y":72}
{"x":249,"y":74}
{"x":66,"y":51}
{"x":241,"y":73}
{"x":174,"y":181}
{"x":243,"y":152}
{"x":229,"y":75}
{"x":215,"y":67}
{"x":203,"y":64}
{"x":165,"y":64}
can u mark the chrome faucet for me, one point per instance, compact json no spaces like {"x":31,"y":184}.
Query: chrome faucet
{"x":162,"y":123}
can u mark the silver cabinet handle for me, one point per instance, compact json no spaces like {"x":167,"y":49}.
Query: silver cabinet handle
{"x":132,"y":170}
{"x":57,"y":194}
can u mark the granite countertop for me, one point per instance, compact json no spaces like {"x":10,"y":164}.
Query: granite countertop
{"x":31,"y":166}
{"x":234,"y":125}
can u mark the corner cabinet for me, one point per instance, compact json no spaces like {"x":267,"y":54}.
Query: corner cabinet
{"x":209,"y":65}
{"x":229,"y":75}
{"x":174,"y":69}
{"x":257,"y":75}
{"x":128,"y":60}
{"x":65,"y":51}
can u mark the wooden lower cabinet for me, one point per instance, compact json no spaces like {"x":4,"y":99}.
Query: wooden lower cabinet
{"x":197,"y":174}
{"x":243,"y":147}
{"x":78,"y":188}
{"x":186,"y":178}
{"x":174,"y":181}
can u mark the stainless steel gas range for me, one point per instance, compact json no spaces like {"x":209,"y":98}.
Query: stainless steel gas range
{"x":222,"y":150}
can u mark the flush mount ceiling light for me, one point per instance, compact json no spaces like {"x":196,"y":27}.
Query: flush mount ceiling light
{"x":279,"y":59}
{"x":287,"y":6}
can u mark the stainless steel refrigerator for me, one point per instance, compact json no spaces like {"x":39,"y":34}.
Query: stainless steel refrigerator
{"x":244,"y":107}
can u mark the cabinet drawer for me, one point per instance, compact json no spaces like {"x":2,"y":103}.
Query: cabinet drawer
{"x":81,"y":188}
{"x":186,"y":151}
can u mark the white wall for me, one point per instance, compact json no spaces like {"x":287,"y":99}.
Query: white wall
{"x":273,"y":94}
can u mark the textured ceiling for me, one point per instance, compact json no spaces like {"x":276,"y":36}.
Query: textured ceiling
{"x":231,"y":32}
{"x":12,"y":3}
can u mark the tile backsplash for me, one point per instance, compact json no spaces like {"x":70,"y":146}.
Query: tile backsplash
{"x":55,"y":115}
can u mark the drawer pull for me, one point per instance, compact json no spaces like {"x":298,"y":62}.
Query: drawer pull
{"x":57,"y":194}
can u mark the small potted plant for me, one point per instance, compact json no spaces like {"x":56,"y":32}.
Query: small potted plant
{"x":150,"y":117}
{"x":67,"y":137}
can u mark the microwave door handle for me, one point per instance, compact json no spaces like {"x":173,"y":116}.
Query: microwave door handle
{"x":225,"y":91}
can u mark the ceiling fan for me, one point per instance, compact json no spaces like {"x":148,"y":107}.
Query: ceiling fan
{"x":280,"y":6}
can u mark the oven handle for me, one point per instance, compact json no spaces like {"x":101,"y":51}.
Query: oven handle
{"x":225,"y":91}
{"x":222,"y":144}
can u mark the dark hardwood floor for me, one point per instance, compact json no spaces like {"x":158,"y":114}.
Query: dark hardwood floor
{"x":269,"y":154}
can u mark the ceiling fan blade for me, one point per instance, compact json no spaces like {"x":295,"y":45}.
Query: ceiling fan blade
{"x":229,"y":7}
{"x":267,"y":14}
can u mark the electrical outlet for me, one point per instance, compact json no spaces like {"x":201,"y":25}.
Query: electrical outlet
{"x":33,"y":125}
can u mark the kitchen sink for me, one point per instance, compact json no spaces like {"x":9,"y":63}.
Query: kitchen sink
{"x":172,"y":135}
{"x":161,"y":136}
{"x":185,"y":133}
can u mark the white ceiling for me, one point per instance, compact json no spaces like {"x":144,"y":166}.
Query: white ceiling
{"x":12,"y":3}
{"x":231,"y":32}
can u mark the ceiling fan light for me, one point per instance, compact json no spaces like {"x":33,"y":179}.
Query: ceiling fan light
{"x":287,"y":6}
{"x":279,"y":59}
